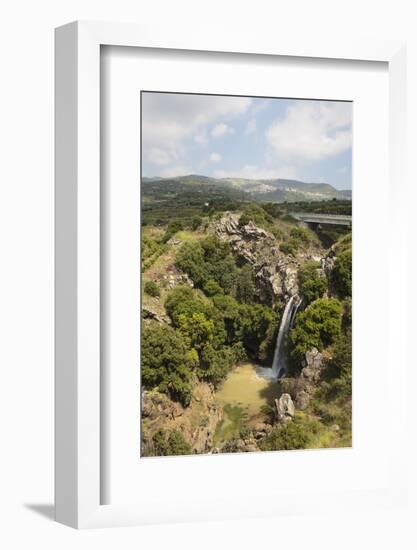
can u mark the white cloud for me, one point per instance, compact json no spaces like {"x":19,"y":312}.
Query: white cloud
{"x":170,"y":119}
{"x":250,"y":127}
{"x":251,"y":171}
{"x":201,"y":137}
{"x":221,"y":130}
{"x":215,"y":157}
{"x":311,"y":131}
{"x":159,"y":157}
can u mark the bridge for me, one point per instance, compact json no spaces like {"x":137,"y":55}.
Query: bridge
{"x":322,"y":219}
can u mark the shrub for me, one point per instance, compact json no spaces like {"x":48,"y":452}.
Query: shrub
{"x":339,"y":368}
{"x":183,"y":300}
{"x":196,"y":222}
{"x":296,"y":434}
{"x":300,"y":234}
{"x":190,"y":260}
{"x":196,"y":329}
{"x":208,"y":259}
{"x":290,"y":246}
{"x":212,"y":287}
{"x":318,"y":326}
{"x":167,"y":363}
{"x":151,"y":288}
{"x":173,"y":227}
{"x":342,"y":274}
{"x":174,"y":444}
{"x":277,"y":233}
{"x":255,"y":213}
{"x":228,"y":308}
{"x":257,"y":326}
{"x":215,"y":364}
{"x":245,"y":287}
{"x":311,"y":283}
{"x":238,"y":352}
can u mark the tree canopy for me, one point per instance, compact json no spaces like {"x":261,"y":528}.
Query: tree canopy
{"x":312,"y":283}
{"x":318,"y":326}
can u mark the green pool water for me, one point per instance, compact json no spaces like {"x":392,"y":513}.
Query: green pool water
{"x":246,"y":388}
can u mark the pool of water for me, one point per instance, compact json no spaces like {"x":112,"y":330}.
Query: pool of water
{"x":249,"y":387}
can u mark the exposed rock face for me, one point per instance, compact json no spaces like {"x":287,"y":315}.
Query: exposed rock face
{"x":284,"y":408}
{"x":197,"y":422}
{"x":304,"y":386}
{"x":312,"y":365}
{"x":327,"y":263}
{"x":155,"y":405}
{"x":247,"y":445}
{"x":174,"y":278}
{"x":150,"y":314}
{"x":276,"y":272}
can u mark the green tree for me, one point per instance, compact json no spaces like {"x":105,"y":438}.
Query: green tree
{"x":183,"y":300}
{"x":301,"y":234}
{"x":342,"y":274}
{"x":312,"y":284}
{"x":296,"y":434}
{"x":245,"y":287}
{"x":196,"y":330}
{"x":190,"y":260}
{"x":215,"y":364}
{"x":167,"y":363}
{"x":212,"y":287}
{"x":173,"y":227}
{"x":255,"y":213}
{"x":339,"y":368}
{"x":169,"y":445}
{"x":257,"y":329}
{"x":151,"y":288}
{"x":196,"y":222}
{"x":229,"y":310}
{"x":318,"y":326}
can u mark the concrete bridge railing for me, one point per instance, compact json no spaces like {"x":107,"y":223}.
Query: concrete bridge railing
{"x":329,"y":219}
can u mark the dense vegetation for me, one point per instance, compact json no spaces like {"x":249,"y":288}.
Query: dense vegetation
{"x":312,"y":283}
{"x":164,"y":444}
{"x":214,"y":318}
{"x":213,"y":325}
{"x":317,"y":327}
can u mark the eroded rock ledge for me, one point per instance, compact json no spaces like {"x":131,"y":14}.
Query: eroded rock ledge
{"x":276,"y":272}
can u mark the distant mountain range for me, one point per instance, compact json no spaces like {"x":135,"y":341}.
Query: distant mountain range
{"x":264,"y":190}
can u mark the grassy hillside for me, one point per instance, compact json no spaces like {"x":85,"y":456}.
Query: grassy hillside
{"x":265,"y":190}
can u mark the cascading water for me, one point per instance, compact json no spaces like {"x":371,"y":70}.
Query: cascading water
{"x":279,"y":368}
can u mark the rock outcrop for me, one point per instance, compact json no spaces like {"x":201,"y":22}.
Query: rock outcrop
{"x":305,"y":385}
{"x":312,"y":365}
{"x":150,"y":314}
{"x":197,"y":422}
{"x":284,"y":408}
{"x":276,"y":272}
{"x":242,"y":445}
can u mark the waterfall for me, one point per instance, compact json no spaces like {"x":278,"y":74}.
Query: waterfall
{"x":279,"y":368}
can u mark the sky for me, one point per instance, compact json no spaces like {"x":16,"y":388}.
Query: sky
{"x":256,"y":138}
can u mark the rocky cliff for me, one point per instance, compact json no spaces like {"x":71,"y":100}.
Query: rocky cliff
{"x":275,"y":271}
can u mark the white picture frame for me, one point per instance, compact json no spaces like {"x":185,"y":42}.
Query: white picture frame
{"x":78,"y":410}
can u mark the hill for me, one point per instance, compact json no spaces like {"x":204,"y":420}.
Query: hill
{"x":264,"y":190}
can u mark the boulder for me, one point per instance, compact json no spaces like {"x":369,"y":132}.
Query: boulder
{"x":284,"y":408}
{"x":150,"y":313}
{"x":302,"y":399}
{"x":312,"y":365}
